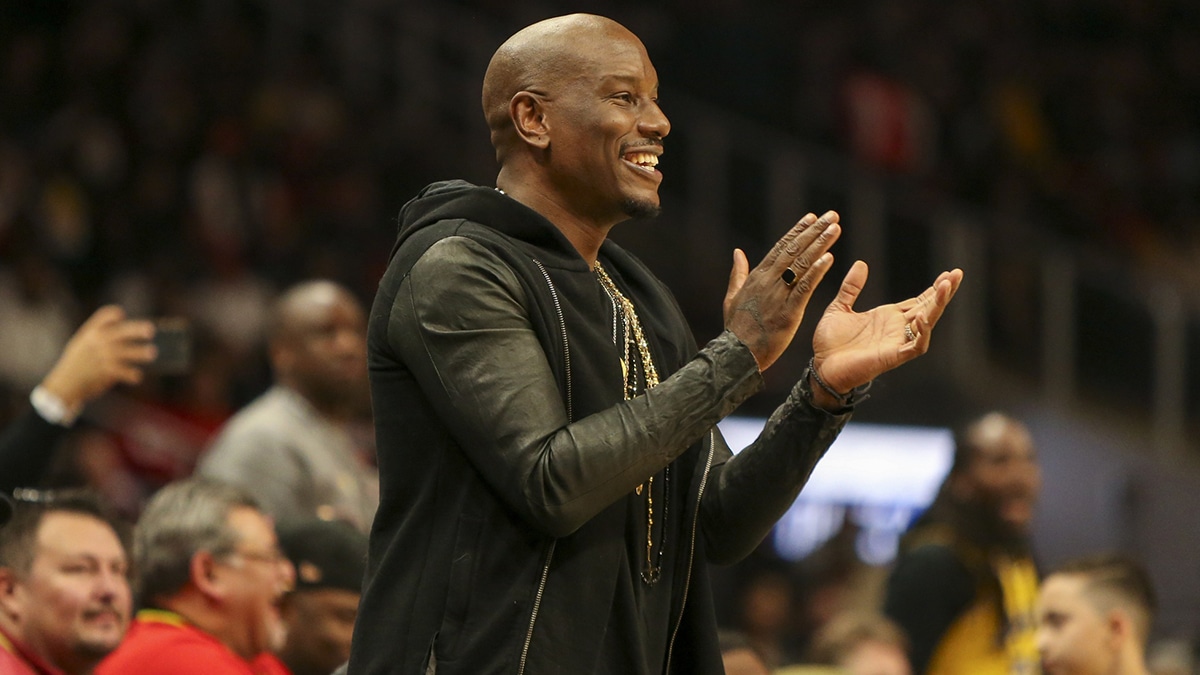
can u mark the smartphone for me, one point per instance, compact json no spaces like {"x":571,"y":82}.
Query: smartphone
{"x":173,"y":339}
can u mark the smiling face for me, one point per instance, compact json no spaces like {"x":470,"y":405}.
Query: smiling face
{"x":73,"y":605}
{"x":606,"y":130}
{"x":572,"y":103}
{"x":1003,"y":475}
{"x":256,"y":576}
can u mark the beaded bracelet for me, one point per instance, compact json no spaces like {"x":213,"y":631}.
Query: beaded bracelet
{"x":849,"y":399}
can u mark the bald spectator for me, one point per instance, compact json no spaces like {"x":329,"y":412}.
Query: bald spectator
{"x":108,"y":349}
{"x":210,"y":579}
{"x":1094,"y":617}
{"x":965,"y":583}
{"x":64,"y":591}
{"x":294,"y":446}
{"x":330,"y":558}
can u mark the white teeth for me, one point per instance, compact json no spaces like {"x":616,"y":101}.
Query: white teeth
{"x":643,"y":159}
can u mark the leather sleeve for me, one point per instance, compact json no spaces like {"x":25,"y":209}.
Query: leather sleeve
{"x":460,"y":325}
{"x":749,"y":492}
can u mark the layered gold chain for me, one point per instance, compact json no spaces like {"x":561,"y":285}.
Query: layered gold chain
{"x":634,"y":340}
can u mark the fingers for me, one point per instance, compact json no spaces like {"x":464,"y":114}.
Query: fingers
{"x":811,"y":263}
{"x":930,"y":306}
{"x":803,"y":287}
{"x":852,"y":285}
{"x":787,"y":239}
{"x":803,"y":244}
{"x":133,"y":332}
{"x":135,"y":353}
{"x":105,"y":316}
{"x":934,"y":300}
{"x":737,"y":278}
{"x":127,"y":375}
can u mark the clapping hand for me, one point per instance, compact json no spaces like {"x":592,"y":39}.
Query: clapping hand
{"x":852,"y":348}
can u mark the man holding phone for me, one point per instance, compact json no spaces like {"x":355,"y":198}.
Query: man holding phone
{"x":108,"y":349}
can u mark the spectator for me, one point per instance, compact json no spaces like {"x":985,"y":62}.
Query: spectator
{"x":330,"y":559}
{"x":106,"y":350}
{"x":210,"y":579}
{"x":964,"y":585}
{"x":294,"y":446}
{"x":862,"y":643}
{"x":64,"y":588}
{"x":550,"y":500}
{"x":1094,"y":617}
{"x":739,"y":656}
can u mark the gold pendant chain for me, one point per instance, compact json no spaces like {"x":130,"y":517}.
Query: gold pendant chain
{"x":634,"y":339}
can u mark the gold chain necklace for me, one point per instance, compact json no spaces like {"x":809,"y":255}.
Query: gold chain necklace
{"x":634,"y":339}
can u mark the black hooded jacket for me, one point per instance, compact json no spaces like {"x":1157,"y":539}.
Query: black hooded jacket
{"x":508,"y":457}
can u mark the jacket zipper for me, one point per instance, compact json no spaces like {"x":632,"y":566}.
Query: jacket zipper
{"x":541,"y":589}
{"x":566,"y":345}
{"x":712,"y":445}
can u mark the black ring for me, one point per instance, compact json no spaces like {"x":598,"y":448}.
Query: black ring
{"x":789,"y":277}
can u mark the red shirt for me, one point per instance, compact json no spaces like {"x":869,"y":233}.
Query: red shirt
{"x":163,"y":642}
{"x":16,"y":659}
{"x":269,"y":664}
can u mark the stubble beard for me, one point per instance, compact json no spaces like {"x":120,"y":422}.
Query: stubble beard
{"x":639,"y":208}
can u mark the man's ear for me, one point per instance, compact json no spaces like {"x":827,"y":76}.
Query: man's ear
{"x":529,"y":119}
{"x":1120,"y":628}
{"x":282,"y":356}
{"x":206,"y":574}
{"x":10,"y":601}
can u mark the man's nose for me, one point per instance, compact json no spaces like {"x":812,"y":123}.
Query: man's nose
{"x":654,"y":123}
{"x":111,"y":584}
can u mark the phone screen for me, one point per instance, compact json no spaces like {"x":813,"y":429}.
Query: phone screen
{"x":173,"y":338}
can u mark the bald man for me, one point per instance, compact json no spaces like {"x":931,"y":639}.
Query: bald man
{"x":295,"y":446}
{"x":553,"y":480}
{"x":964,"y":585}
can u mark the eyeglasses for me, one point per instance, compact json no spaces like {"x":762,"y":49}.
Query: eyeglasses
{"x":272,"y":556}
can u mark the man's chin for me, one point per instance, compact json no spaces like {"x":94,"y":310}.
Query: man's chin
{"x":100,"y":645}
{"x":277,"y":634}
{"x":640,"y":208}
{"x":1018,"y":521}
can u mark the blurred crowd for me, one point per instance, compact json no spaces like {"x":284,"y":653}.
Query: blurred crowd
{"x":1078,"y":116}
{"x":192,"y":159}
{"x":195,"y":159}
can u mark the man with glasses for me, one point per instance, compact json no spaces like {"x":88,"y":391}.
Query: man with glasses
{"x":210,"y":577}
{"x":64,"y":592}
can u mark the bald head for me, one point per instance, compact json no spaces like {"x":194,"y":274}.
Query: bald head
{"x":991,"y":430}
{"x":318,"y":343}
{"x":542,"y":58}
{"x":996,"y":468}
{"x":302,"y":305}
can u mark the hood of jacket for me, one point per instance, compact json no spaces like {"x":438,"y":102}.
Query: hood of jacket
{"x":460,"y":200}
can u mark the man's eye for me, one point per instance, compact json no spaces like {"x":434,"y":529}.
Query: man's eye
{"x":624,"y":97}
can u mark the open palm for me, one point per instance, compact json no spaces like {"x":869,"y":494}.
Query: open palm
{"x":852,"y":348}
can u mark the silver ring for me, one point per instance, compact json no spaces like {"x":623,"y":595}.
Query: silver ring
{"x":789,"y":277}
{"x":908,"y":333}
